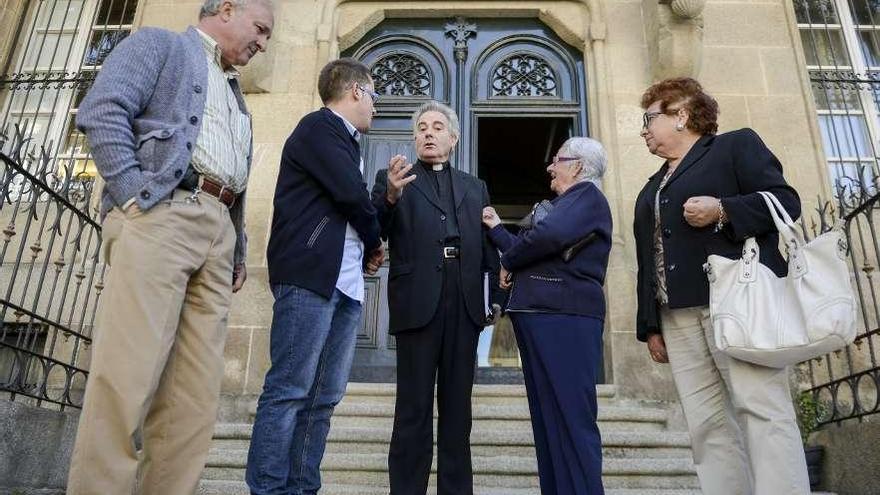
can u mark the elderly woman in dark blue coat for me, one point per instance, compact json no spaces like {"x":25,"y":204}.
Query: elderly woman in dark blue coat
{"x":557,"y":307}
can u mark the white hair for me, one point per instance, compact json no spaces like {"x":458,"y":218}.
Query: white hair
{"x":590,"y":153}
{"x":436,"y":106}
{"x":212,"y":7}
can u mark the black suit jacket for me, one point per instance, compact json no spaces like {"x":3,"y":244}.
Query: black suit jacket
{"x":415,"y":233}
{"x":733,"y":166}
{"x":320,"y":189}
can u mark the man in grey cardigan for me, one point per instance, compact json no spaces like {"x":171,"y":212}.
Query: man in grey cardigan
{"x":170,"y":135}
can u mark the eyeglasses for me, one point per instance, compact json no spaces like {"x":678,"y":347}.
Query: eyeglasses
{"x":373,"y":95}
{"x":557,"y":159}
{"x":648,"y":117}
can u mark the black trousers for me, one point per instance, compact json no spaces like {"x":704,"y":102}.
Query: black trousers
{"x":445,"y":349}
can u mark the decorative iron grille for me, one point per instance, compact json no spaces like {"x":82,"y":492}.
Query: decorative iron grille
{"x":523,"y":75}
{"x":401,"y":74}
{"x":842,"y":51}
{"x":51,"y":276}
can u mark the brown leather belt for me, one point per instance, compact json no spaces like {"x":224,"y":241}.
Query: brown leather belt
{"x":219,"y":191}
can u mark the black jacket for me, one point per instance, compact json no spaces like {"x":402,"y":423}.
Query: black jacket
{"x":733,"y":166}
{"x":543,"y":282}
{"x":415,"y":231}
{"x":320,"y":189}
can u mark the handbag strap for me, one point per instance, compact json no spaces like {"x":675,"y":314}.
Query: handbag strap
{"x":784,"y":224}
{"x":794,"y":239}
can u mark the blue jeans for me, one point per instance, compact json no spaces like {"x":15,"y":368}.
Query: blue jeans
{"x":311,"y":347}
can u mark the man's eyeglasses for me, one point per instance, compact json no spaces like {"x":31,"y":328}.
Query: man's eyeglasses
{"x":373,"y":95}
{"x":557,"y":159}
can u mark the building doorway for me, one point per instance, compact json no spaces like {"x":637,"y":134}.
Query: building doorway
{"x":512,"y":157}
{"x":519,"y":91}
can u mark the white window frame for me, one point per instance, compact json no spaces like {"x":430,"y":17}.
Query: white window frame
{"x":869,"y":112}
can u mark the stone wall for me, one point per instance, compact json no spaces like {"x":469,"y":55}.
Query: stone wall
{"x":35,"y":447}
{"x":851,"y":462}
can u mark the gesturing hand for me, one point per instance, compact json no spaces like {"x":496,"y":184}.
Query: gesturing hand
{"x":700,"y":211}
{"x":397,"y":178}
{"x":490,"y":217}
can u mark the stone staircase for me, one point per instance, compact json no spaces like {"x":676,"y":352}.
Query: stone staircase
{"x":642,"y":456}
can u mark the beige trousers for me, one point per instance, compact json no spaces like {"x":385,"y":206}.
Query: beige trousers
{"x":740,"y":416}
{"x":157,"y":357}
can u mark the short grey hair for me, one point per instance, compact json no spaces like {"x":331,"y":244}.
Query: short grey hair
{"x":212,"y":7}
{"x":436,"y":106}
{"x":590,"y":153}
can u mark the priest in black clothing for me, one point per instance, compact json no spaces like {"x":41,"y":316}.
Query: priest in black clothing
{"x":430,"y":213}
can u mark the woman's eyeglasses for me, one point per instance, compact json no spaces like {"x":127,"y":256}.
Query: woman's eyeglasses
{"x":648,"y":117}
{"x":557,"y":159}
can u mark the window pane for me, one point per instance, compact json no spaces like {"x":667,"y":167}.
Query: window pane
{"x":59,"y":14}
{"x":865,"y":12}
{"x":116,"y":12}
{"x":75,"y":141}
{"x":824,"y":47}
{"x":835,"y":96}
{"x":48,"y":51}
{"x":815,"y":11}
{"x":37,"y":100}
{"x":845,"y":136}
{"x":853,"y":177}
{"x":103,"y":41}
{"x":869,"y":44}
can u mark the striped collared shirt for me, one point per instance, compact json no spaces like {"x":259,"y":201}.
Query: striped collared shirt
{"x":223,"y":144}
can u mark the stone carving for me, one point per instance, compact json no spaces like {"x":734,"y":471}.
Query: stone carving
{"x":523,"y":75}
{"x":674,"y":30}
{"x":687,"y":9}
{"x":460,"y":31}
{"x":401,"y":74}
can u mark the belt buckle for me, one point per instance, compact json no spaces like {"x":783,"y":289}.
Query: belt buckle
{"x":450,"y":252}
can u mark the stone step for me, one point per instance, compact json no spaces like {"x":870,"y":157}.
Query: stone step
{"x":505,"y":416}
{"x":484,"y":441}
{"x":481,"y":393}
{"x":215,"y":487}
{"x":498,"y":471}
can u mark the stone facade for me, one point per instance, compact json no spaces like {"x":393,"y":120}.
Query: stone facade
{"x":747,"y":53}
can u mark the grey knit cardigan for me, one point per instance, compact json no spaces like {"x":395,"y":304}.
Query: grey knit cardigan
{"x":142,"y":117}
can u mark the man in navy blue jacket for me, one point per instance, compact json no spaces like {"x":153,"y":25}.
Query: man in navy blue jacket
{"x":323,"y":224}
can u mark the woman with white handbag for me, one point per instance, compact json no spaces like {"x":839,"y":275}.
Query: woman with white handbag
{"x":705,"y":200}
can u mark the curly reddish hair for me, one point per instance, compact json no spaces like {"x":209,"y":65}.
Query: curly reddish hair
{"x":687,"y":93}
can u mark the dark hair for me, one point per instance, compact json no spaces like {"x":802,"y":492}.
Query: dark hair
{"x":338,"y":76}
{"x":687,"y":93}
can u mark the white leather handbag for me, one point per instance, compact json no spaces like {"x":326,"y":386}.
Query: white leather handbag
{"x":771,"y":321}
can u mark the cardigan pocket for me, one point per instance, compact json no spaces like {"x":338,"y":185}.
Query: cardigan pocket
{"x":147,"y":147}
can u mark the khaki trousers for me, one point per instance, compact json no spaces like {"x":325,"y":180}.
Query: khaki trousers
{"x":740,"y":416}
{"x":157,"y":357}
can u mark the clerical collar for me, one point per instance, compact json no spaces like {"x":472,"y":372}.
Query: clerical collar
{"x":439,"y":167}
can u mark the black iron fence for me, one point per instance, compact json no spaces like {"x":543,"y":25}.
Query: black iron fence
{"x":51,"y":276}
{"x":841,"y":44}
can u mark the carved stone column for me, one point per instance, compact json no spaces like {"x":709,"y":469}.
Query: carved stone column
{"x":675,"y":36}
